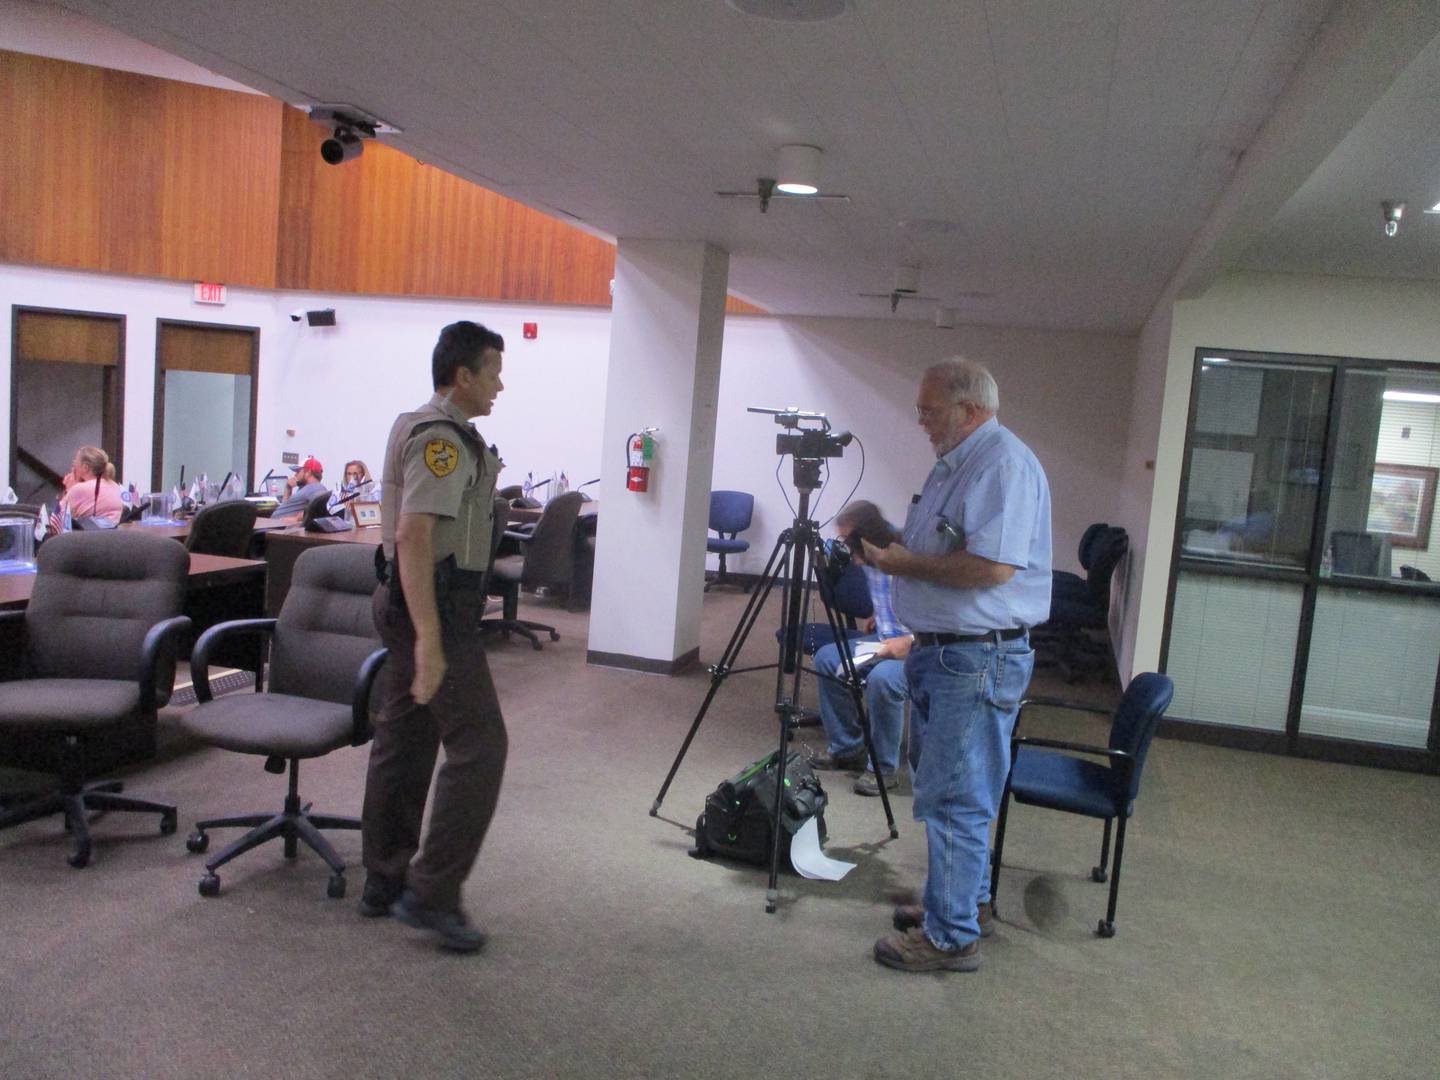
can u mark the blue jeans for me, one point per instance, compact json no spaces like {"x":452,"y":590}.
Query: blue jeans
{"x":965,"y":700}
{"x":886,"y":691}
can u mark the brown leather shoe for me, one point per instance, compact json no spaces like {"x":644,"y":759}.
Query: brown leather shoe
{"x":866,"y":785}
{"x":907,"y":915}
{"x":851,"y":763}
{"x":913,"y":951}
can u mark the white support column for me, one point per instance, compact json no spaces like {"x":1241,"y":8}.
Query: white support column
{"x":666,"y":330}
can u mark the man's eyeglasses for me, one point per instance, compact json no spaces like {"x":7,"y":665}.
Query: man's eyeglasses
{"x":929,"y":412}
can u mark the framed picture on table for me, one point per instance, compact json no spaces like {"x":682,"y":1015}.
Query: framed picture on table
{"x":365,"y":513}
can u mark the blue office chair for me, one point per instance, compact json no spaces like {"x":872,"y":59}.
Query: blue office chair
{"x":850,"y":597}
{"x":730,"y":513}
{"x":1045,"y":772}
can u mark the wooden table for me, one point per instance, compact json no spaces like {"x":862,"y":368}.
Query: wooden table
{"x":206,"y":572}
{"x":218,"y":589}
{"x":182,"y":531}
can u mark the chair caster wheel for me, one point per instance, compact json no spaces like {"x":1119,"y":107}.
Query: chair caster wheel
{"x":197,"y":842}
{"x":210,"y":885}
{"x":554,"y":635}
{"x":80,"y":859}
{"x":1098,"y":875}
{"x":336,"y":889}
{"x":168,"y":823}
{"x":1105,"y":929}
{"x":536,"y":645}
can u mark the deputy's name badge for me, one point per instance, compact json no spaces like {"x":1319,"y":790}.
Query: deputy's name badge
{"x":441,"y":457}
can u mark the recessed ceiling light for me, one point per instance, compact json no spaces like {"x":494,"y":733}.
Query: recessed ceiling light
{"x":1434,"y":209}
{"x":929,"y":226}
{"x":1416,"y":398}
{"x":790,"y":10}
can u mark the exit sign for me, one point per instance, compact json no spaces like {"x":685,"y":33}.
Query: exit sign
{"x":209,"y":292}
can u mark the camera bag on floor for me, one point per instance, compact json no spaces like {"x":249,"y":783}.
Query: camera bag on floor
{"x":736,"y":819}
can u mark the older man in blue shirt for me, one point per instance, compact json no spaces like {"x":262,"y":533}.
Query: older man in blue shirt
{"x":971,"y":577}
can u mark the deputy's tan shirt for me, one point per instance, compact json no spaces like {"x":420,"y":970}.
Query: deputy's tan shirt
{"x":436,"y":463}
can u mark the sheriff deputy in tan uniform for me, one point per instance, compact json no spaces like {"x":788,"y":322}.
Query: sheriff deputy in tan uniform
{"x":435,"y":687}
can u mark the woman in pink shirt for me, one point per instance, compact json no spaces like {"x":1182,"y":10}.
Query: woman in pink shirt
{"x":90,"y":487}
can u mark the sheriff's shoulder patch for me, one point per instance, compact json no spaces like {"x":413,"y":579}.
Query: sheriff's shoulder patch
{"x":441,"y":456}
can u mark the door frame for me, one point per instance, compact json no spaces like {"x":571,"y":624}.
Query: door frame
{"x":158,"y":425}
{"x":16,"y":310}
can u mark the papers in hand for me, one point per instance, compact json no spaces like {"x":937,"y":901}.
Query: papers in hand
{"x":864,"y":652}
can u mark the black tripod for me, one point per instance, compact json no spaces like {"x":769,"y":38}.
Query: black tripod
{"x":795,"y":562}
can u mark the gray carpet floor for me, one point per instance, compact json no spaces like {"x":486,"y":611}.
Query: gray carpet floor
{"x":1278,"y":919}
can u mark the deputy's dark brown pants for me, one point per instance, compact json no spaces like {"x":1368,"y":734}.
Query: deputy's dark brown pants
{"x":465,"y":717}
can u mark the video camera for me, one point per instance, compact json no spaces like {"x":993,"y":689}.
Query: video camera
{"x":802,"y":442}
{"x":808,"y":446}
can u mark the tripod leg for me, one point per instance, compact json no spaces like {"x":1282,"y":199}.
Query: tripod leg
{"x":727,"y":659}
{"x":852,"y":680}
{"x":772,"y":892}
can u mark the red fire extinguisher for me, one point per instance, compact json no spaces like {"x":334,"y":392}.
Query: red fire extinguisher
{"x":640,"y":453}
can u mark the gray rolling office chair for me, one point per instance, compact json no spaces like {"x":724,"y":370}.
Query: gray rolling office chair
{"x":96,"y":663}
{"x":324,"y":655}
{"x":547,"y":560}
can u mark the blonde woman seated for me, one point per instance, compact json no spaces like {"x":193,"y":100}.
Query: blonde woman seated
{"x":90,"y":488}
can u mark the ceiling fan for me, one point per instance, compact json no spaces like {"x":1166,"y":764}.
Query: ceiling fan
{"x":907,"y":287}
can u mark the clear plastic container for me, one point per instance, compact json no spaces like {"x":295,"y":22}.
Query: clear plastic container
{"x":17,"y":543}
{"x":160,"y":508}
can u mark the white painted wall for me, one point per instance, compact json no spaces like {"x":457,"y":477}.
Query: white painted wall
{"x":1066,"y":394}
{"x":1360,"y":317}
{"x":1069,"y":395}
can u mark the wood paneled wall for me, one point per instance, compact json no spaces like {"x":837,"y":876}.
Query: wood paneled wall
{"x":106,"y":170}
{"x":385,"y":223}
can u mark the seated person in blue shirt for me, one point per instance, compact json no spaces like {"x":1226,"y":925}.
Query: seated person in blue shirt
{"x":304,"y":484}
{"x":886,"y":690}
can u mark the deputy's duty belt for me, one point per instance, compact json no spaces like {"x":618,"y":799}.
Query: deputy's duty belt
{"x":926,"y":638}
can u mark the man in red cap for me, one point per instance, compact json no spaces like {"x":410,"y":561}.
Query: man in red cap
{"x":304,"y":484}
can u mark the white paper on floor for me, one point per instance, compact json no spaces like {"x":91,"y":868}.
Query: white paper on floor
{"x":809,"y":861}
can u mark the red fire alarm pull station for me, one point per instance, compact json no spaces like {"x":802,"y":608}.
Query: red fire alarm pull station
{"x":531,"y":331}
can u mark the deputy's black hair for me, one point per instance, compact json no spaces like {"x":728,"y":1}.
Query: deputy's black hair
{"x":461,"y":344}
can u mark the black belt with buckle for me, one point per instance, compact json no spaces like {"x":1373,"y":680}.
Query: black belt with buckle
{"x":927,"y":639}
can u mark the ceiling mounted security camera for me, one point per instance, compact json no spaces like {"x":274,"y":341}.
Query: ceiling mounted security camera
{"x":343,"y":146}
{"x":352,"y":127}
{"x":297,"y":314}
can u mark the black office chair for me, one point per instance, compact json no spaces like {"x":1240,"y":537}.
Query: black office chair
{"x":226,"y":528}
{"x":1360,"y":554}
{"x":100,"y":638}
{"x":547,"y":560}
{"x":315,"y":509}
{"x":1080,"y":607}
{"x":1049,"y":773}
{"x":324,"y":656}
{"x":1413,"y":573}
{"x":730,"y":514}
